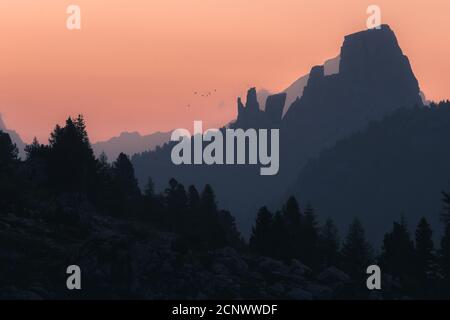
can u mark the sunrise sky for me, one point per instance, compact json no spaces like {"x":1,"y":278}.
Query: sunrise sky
{"x":135,"y":64}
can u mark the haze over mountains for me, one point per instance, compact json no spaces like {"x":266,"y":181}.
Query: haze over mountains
{"x":130,"y":143}
{"x":368,"y":81}
{"x":374,"y":79}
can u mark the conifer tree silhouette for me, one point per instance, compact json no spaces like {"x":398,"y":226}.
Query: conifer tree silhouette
{"x":424,"y":250}
{"x":397,"y":252}
{"x":329,"y":244}
{"x":357,"y":254}
{"x":261,"y":239}
{"x":310,"y":237}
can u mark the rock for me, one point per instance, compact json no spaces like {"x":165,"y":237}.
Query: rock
{"x":274,"y":108}
{"x":272,"y":266}
{"x":13,"y":293}
{"x":231,"y":260}
{"x":299,"y":268}
{"x":299,"y":294}
{"x":278,"y":288}
{"x":219,"y":268}
{"x":333,"y":275}
{"x":319,"y":291}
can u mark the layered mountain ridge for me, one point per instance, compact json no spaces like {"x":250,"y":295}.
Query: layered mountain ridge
{"x":374,"y":79}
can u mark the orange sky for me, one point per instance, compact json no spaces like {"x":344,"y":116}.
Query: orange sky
{"x":135,"y":64}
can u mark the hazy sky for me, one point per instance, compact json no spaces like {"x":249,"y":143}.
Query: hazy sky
{"x":135,"y":64}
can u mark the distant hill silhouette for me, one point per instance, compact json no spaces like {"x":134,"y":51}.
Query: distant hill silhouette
{"x":14,"y":137}
{"x":396,"y":166}
{"x":374,"y":79}
{"x":130,"y":143}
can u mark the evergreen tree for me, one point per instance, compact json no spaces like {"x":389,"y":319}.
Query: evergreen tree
{"x":152,"y":204}
{"x":445,"y":216}
{"x":444,"y":256}
{"x":209,"y":225}
{"x":124,"y":191}
{"x":193,"y":200}
{"x":123,"y":173}
{"x":292,"y":223}
{"x":280,"y":248}
{"x":397,"y":256}
{"x":231,"y":235}
{"x":424,"y":250}
{"x":329,"y":244}
{"x":72,"y":162}
{"x":309,"y":237}
{"x":33,"y":150}
{"x":356,"y":251}
{"x":261,"y":239}
{"x":208,"y":201}
{"x":149,"y":191}
{"x":9,"y":188}
{"x":292,"y":214}
{"x":8,"y":151}
{"x":36,"y":166}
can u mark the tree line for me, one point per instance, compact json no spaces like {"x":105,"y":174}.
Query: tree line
{"x":417,"y":265}
{"x":67,"y":166}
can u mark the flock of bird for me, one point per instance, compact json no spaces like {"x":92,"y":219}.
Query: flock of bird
{"x":203,"y":94}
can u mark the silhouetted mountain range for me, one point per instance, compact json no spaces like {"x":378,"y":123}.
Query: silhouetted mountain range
{"x":358,"y":143}
{"x":397,"y":166}
{"x":374,"y":79}
{"x":130,"y":143}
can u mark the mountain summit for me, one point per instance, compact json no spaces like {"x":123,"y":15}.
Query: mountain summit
{"x":373,"y":80}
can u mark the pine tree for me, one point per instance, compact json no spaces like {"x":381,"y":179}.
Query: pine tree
{"x":149,"y":191}
{"x":208,"y":200}
{"x":444,"y":252}
{"x":124,"y":177}
{"x":231,"y":235}
{"x":261,"y":239}
{"x":293,"y":222}
{"x":193,"y":200}
{"x":444,"y":257}
{"x":292,"y":214}
{"x":445,"y":216}
{"x":329,"y":244}
{"x":32,"y":150}
{"x":9,"y":188}
{"x":356,"y":251}
{"x":8,"y":151}
{"x":397,"y":252}
{"x":72,"y":162}
{"x":281,"y":246}
{"x":424,"y":249}
{"x":209,"y":223}
{"x":123,"y":191}
{"x":309,"y":237}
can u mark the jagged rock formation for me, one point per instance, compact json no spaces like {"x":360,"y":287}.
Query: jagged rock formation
{"x":373,"y":80}
{"x":251,"y":116}
{"x":295,"y":90}
{"x":274,"y":109}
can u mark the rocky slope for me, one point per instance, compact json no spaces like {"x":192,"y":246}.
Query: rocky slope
{"x":121,"y":259}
